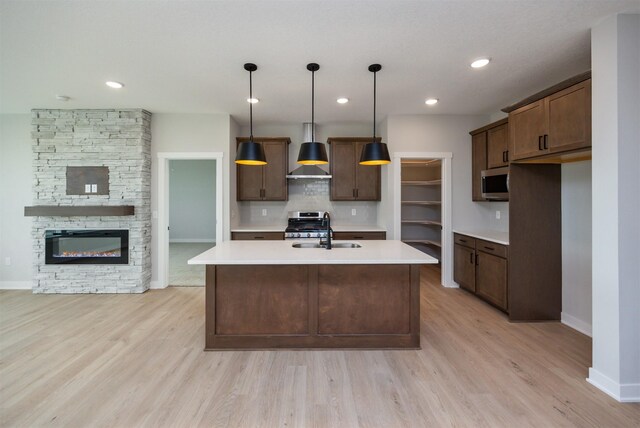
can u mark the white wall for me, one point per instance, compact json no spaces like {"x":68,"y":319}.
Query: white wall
{"x":16,"y":178}
{"x":615,"y":44}
{"x":576,"y":245}
{"x":443,"y":133}
{"x":188,"y":133}
{"x":192,"y":200}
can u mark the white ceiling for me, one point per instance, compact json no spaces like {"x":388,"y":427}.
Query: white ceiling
{"x":188,"y":56}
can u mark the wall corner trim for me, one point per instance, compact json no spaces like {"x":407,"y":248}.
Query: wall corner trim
{"x":624,"y":393}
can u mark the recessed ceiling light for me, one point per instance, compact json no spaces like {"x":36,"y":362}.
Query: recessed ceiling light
{"x":479,"y":63}
{"x":253,"y":100}
{"x":114,"y":85}
{"x":62,"y":98}
{"x":431,"y":101}
{"x":342,"y":100}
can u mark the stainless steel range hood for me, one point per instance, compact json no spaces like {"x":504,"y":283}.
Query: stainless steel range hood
{"x":308,"y":171}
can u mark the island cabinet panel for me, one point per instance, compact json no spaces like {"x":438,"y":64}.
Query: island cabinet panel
{"x":361,"y":300}
{"x":312,"y":306}
{"x":262,"y":300}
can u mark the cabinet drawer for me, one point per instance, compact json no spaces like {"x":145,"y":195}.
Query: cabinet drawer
{"x":359,"y":235}
{"x":465,"y":240}
{"x":492,"y":248}
{"x":262,"y":236}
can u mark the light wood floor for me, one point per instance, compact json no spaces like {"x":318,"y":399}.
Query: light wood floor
{"x":137,"y":360}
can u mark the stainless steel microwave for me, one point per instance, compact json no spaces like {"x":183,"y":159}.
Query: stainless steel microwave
{"x":495,"y":184}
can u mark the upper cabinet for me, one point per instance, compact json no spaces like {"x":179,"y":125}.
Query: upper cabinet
{"x":351,"y":181}
{"x":268,"y":182}
{"x":557,"y":123}
{"x":489,"y":149}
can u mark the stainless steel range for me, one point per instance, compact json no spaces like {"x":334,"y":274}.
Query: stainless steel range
{"x":305,"y":225}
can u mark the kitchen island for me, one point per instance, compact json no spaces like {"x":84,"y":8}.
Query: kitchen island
{"x":269,"y":294}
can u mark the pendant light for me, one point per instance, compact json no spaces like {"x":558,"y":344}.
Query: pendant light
{"x":250,"y":152}
{"x":312,"y":152}
{"x":375,"y":152}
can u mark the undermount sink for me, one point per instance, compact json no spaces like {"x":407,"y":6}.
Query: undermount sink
{"x":333,"y":245}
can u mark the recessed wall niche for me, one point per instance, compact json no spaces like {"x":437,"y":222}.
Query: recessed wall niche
{"x":87,"y":180}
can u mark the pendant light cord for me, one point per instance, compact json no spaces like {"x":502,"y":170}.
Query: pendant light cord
{"x":250,"y":106}
{"x":313,"y":103}
{"x":374,"y":106}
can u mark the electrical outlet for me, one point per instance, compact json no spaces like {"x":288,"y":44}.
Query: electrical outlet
{"x":497,"y":215}
{"x":264,"y":212}
{"x":353,"y":211}
{"x":7,"y":261}
{"x":94,"y":188}
{"x":87,"y":188}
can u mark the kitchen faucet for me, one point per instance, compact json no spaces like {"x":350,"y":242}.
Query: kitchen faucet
{"x":326,"y":220}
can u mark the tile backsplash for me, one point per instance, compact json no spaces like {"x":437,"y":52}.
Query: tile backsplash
{"x":307,"y":195}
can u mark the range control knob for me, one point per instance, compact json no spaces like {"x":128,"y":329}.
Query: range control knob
{"x":308,"y":235}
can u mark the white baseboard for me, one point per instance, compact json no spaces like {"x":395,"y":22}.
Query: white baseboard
{"x":576,"y":324}
{"x":192,"y":241}
{"x":623,"y":392}
{"x":155,"y":285}
{"x":16,"y":285}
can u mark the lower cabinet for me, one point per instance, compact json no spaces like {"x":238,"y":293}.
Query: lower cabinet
{"x":255,"y":236}
{"x":359,"y":235}
{"x":481,"y":268}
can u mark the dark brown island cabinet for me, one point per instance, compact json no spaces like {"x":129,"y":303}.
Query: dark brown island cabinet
{"x":257,"y":236}
{"x":351,"y":181}
{"x":490,"y":149}
{"x":268,"y":182}
{"x":359,"y":235}
{"x":557,"y":123}
{"x":481,"y":267}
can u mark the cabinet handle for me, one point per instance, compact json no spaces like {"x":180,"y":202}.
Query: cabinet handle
{"x":462,"y":240}
{"x":358,"y":237}
{"x":506,"y":155}
{"x":546,"y":140}
{"x":539,"y":142}
{"x":489,"y":248}
{"x":471,"y":258}
{"x":353,"y":192}
{"x":477,"y":260}
{"x":258,"y":237}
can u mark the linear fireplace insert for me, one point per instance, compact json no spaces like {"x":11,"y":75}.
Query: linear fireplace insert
{"x":86,"y":246}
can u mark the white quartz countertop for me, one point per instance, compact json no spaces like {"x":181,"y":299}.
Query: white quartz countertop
{"x":487,"y":235}
{"x":283,"y":253}
{"x":336,"y":228}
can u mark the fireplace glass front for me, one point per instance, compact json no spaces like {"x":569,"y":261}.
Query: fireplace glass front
{"x":87,"y":247}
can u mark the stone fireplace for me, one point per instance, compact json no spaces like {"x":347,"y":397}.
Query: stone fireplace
{"x":92,"y":201}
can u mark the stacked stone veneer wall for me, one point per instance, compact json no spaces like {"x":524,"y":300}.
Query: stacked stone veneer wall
{"x":119,"y":140}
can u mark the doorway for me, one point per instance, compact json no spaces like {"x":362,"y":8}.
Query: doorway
{"x":189,"y":214}
{"x":426,"y":218}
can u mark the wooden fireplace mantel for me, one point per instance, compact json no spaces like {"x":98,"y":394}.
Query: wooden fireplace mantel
{"x":78,"y":211}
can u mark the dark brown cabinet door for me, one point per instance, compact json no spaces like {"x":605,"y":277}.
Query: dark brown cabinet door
{"x":343,"y":172}
{"x":527,"y":127}
{"x":249,"y":182}
{"x":478,"y":164}
{"x":351,"y":181}
{"x":498,"y":146}
{"x":268,"y":182}
{"x":570,"y":118}
{"x":274,"y":173}
{"x":464,"y":269}
{"x":367,"y":178}
{"x":491,"y":279}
